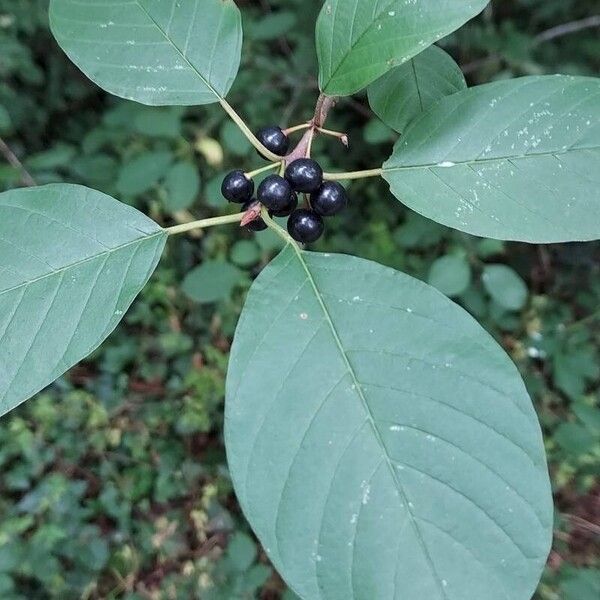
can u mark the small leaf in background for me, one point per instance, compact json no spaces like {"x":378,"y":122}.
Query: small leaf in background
{"x":95,"y":169}
{"x":211,"y":150}
{"x":211,"y":194}
{"x":212,"y":281}
{"x":143,"y":172}
{"x":450,"y":274}
{"x":241,"y":552}
{"x":245,"y":253}
{"x":59,"y":156}
{"x":159,"y":121}
{"x":182,"y":185}
{"x":234,"y":141}
{"x":589,"y":416}
{"x":489,"y":247}
{"x":5,"y":121}
{"x":505,"y":286}
{"x":574,"y":366}
{"x":575,"y":439}
{"x":272,"y":26}
{"x":581,"y":584}
{"x":407,"y":91}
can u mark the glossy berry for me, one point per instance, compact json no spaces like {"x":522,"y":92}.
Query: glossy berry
{"x":274,"y":192}
{"x":273,"y":139}
{"x":236,"y":187}
{"x":287,"y":210}
{"x":305,"y":226}
{"x":329,"y":199}
{"x":257,"y":224}
{"x":304,"y":175}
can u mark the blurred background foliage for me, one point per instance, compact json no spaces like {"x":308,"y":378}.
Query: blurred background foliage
{"x":113,"y":482}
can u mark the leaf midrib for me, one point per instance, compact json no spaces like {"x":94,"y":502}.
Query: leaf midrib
{"x":476,"y":161}
{"x":358,"y":389}
{"x":72,"y":265}
{"x":179,"y":51}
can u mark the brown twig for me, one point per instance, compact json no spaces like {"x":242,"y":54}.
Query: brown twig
{"x":302,"y":149}
{"x":567,"y":29}
{"x":14,"y":161}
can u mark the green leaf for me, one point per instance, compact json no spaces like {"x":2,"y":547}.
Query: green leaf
{"x":212,"y":281}
{"x":581,"y":584}
{"x":358,"y":41}
{"x":5,"y":120}
{"x":407,"y":91}
{"x":183,"y":185}
{"x":153,"y":52}
{"x":513,"y":160}
{"x":143,"y":172}
{"x":272,"y":26}
{"x":380,"y":442}
{"x":59,"y":156}
{"x":241,"y":552}
{"x":73,"y":260}
{"x":234,"y":140}
{"x":505,"y":286}
{"x":451,"y":275}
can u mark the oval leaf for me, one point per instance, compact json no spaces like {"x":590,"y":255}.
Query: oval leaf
{"x":407,"y":91}
{"x":73,"y":260}
{"x":512,"y":160}
{"x":358,"y":41}
{"x":505,"y":286}
{"x":153,"y":52}
{"x":450,"y":274}
{"x":381,"y":444}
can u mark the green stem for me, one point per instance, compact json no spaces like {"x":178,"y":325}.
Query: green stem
{"x":247,"y":132}
{"x":585,"y":321}
{"x":252,"y":174}
{"x":204,"y":223}
{"x":353,"y":175}
{"x":297,"y":128}
{"x":282,"y":233}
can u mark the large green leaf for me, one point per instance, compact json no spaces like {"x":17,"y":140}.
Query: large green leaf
{"x":381,"y":444}
{"x":73,"y":260}
{"x":156,"y":52}
{"x":513,"y":160}
{"x":410,"y":89}
{"x":360,"y":40}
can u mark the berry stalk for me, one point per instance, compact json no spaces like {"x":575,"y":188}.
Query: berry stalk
{"x":247,"y":132}
{"x":204,"y":223}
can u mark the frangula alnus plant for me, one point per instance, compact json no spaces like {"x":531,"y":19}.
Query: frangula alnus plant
{"x":381,"y":444}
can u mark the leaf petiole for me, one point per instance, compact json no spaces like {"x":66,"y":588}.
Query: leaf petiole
{"x":284,"y":235}
{"x":247,"y":132}
{"x":353,"y":175}
{"x":204,"y":223}
{"x":270,"y":167}
{"x":300,"y":127}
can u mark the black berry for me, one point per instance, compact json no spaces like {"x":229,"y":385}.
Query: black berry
{"x":304,"y":175}
{"x":274,"y":192}
{"x":287,"y":210}
{"x":329,"y":199}
{"x":236,"y":187}
{"x":305,"y":226}
{"x":273,"y":139}
{"x":257,"y":224}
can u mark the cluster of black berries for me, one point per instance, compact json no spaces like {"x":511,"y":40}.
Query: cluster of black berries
{"x":280,"y":194}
